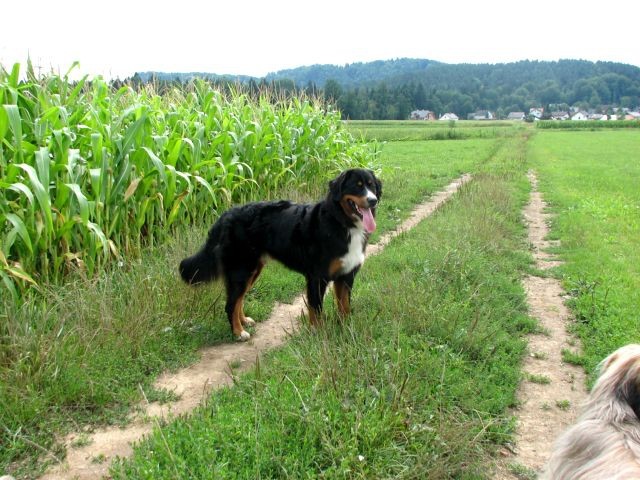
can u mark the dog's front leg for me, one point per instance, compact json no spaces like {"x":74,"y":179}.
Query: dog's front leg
{"x":316,"y":288}
{"x":342,"y":287}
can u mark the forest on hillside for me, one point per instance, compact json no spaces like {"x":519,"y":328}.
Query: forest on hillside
{"x":391,"y":89}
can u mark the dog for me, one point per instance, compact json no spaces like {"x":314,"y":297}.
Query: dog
{"x":605,"y":441}
{"x":324,"y":242}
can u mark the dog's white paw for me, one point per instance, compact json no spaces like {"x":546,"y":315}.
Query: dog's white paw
{"x":249,"y":322}
{"x":244,"y":336}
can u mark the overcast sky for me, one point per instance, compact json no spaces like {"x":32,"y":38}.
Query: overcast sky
{"x":116,"y":38}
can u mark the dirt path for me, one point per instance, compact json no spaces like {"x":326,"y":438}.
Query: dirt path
{"x":551,"y":391}
{"x":194,"y":383}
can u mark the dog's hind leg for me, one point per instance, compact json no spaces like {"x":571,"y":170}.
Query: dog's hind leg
{"x":316,"y":288}
{"x":236,"y":289}
{"x":248,"y":321}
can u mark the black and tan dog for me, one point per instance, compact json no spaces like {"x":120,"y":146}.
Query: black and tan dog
{"x":323,"y":241}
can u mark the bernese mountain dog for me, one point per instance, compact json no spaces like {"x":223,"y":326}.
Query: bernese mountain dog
{"x":324,"y":241}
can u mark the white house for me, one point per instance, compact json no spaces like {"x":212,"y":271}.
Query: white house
{"x":515,"y":116}
{"x":449,"y":116}
{"x":580,"y":116}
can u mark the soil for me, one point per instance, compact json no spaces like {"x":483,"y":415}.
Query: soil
{"x":194,"y":383}
{"x":545,"y":409}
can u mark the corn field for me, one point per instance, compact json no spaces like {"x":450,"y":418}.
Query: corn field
{"x":89,"y":174}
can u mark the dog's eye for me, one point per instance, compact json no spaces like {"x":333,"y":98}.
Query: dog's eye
{"x":369,"y":182}
{"x":360,"y":184}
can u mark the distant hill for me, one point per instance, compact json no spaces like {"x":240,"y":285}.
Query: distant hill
{"x":355,"y":74}
{"x":432,"y":73}
{"x":390,"y":89}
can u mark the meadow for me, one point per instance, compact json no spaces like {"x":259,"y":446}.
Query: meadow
{"x":105,"y":191}
{"x":411,"y":130}
{"x":90,"y":240}
{"x":416,"y":384}
{"x":374,"y":401}
{"x":102,"y":189}
{"x":590,"y":180}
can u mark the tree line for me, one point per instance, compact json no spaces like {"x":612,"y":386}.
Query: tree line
{"x":392,"y":89}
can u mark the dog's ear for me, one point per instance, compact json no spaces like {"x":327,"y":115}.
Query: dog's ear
{"x":629,"y":389}
{"x":378,"y":184}
{"x":634,"y":400}
{"x":335,"y":186}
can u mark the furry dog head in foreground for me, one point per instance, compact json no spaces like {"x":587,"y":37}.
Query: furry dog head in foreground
{"x":605,"y":441}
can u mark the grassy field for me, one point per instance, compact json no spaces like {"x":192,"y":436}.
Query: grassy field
{"x":414,"y":170}
{"x":101,"y":193}
{"x":415,"y":386}
{"x":419,"y":381}
{"x":82,"y":360}
{"x":591,"y":181}
{"x":412,"y":130}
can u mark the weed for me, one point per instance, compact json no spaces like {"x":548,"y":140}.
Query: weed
{"x":573,"y":358}
{"x":81,"y":440}
{"x":522,"y":472}
{"x":541,"y":379}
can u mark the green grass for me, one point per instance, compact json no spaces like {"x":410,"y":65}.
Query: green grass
{"x":411,"y":130}
{"x":587,"y":124}
{"x":80,"y":357}
{"x":522,"y":472}
{"x":416,"y":384}
{"x":414,"y":170}
{"x":591,"y":181}
{"x":540,"y":379}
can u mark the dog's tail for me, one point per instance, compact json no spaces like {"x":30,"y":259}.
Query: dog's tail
{"x":205,"y":265}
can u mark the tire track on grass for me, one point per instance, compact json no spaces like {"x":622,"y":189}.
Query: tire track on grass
{"x":551,"y":391}
{"x":194,"y":383}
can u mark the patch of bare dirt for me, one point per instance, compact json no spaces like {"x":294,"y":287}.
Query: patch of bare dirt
{"x":545,"y":409}
{"x":213,"y":370}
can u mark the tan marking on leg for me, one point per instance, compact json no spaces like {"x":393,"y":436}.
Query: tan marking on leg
{"x":236,"y":319}
{"x":341,"y":291}
{"x":244,"y":320}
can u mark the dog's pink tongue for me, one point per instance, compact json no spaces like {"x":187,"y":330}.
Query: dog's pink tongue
{"x":368,"y":220}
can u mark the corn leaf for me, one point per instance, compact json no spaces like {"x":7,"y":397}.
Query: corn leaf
{"x":21,"y":230}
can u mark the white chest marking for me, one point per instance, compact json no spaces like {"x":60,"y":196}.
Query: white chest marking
{"x":355,"y":255}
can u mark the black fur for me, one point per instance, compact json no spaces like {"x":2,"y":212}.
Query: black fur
{"x":307,"y":238}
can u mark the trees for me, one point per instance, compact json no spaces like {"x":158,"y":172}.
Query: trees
{"x":392,"y":89}
{"x":332,"y":90}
